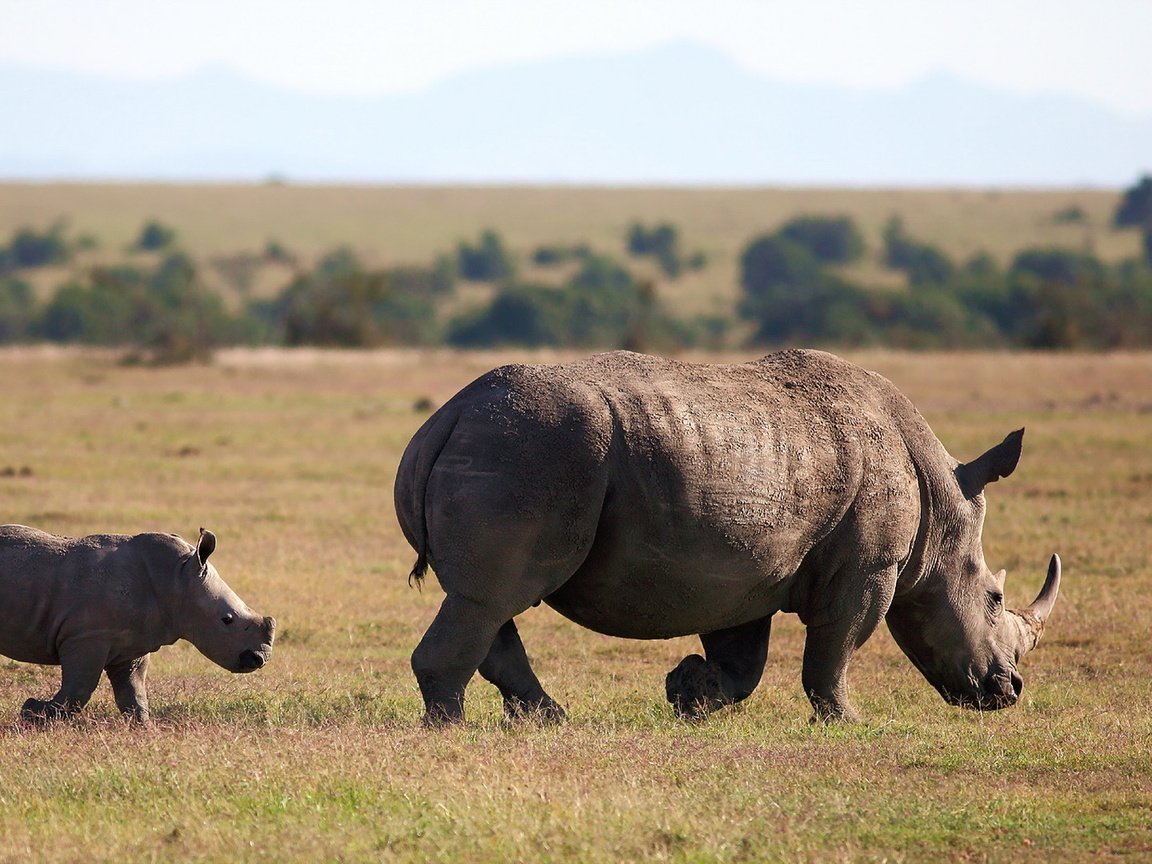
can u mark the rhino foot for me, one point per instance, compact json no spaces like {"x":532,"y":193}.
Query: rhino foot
{"x":439,"y":717}
{"x":695,"y":688}
{"x":828,"y":711}
{"x":545,"y":712}
{"x":39,"y":712}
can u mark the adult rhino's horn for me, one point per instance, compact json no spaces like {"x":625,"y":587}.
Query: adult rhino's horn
{"x":1041,"y":607}
{"x":1037,"y":612}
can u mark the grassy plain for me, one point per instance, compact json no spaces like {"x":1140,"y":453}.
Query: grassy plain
{"x":410,"y":225}
{"x":290,"y":458}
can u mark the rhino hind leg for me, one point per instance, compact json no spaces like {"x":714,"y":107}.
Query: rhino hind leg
{"x":507,"y":667}
{"x":455,"y":644}
{"x":128,"y":681}
{"x":728,"y":674}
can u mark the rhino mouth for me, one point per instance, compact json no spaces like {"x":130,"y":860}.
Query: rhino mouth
{"x":995,"y":693}
{"x":251,"y":660}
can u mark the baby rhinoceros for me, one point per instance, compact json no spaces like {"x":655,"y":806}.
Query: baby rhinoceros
{"x":104,"y":603}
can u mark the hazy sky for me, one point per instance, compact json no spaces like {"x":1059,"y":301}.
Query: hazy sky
{"x":1100,"y":49}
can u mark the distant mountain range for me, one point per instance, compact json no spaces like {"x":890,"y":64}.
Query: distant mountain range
{"x":679,"y":114}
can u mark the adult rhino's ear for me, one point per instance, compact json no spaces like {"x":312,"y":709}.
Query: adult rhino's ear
{"x":205,"y":547}
{"x":998,"y":462}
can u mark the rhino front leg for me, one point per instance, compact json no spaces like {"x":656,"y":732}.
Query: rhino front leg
{"x":457,"y":642}
{"x":829,"y":645}
{"x":129,"y":686}
{"x":507,"y":667}
{"x":80,"y":668}
{"x":728,"y":672}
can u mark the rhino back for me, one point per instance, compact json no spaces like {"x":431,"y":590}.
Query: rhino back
{"x":729,"y":491}
{"x":674,"y":497}
{"x":56,"y":588}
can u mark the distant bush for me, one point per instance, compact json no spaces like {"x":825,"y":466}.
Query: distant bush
{"x":488,"y":261}
{"x":662,"y":243}
{"x":931,"y":316}
{"x":31,"y":248}
{"x":340,"y":304}
{"x":924,"y":264}
{"x":557,"y":253}
{"x":1135,"y":208}
{"x":436,"y":281}
{"x":166,"y":312}
{"x":154,"y":236}
{"x":532,"y":316}
{"x":276,"y":252}
{"x":771,"y":261}
{"x":1054,"y":264}
{"x":792,"y":299}
{"x":17,"y":308}
{"x":642,"y":240}
{"x":1071,"y":215}
{"x":601,"y":305}
{"x":828,"y":239}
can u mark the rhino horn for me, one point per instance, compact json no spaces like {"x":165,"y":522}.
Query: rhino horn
{"x":1032,"y":617}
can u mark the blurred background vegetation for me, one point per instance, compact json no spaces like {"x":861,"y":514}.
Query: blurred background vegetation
{"x":805,"y":282}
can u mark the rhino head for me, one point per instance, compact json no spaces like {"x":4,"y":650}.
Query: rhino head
{"x":951,"y":621}
{"x":217,"y":621}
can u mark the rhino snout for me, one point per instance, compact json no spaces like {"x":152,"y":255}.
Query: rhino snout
{"x":1001,"y":690}
{"x":250,"y":661}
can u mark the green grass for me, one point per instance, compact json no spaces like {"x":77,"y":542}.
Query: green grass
{"x":290,"y":457}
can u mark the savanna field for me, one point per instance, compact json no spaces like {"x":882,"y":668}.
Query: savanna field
{"x":289,"y":457}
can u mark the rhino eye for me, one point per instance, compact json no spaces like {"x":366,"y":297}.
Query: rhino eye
{"x":995,"y":602}
{"x":229,"y":618}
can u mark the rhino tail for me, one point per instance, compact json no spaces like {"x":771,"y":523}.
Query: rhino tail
{"x":418,"y":569}
{"x":412,"y":484}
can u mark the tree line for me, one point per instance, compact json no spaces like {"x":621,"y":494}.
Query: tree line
{"x":793,"y":290}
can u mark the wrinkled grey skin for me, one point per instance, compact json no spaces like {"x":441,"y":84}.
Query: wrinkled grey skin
{"x":647,"y":498}
{"x":104,"y":603}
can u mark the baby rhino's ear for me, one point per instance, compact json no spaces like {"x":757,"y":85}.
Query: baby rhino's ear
{"x":205,"y":547}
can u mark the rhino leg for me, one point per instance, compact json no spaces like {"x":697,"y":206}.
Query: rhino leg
{"x":508,"y":668}
{"x":129,"y":687}
{"x":457,"y":642}
{"x":728,"y":673}
{"x":829,"y":645}
{"x":80,"y":668}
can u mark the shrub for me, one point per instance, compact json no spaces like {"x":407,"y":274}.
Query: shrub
{"x":340,"y":304}
{"x":529,"y":315}
{"x":829,"y":239}
{"x":661,"y":242}
{"x":488,"y":261}
{"x":154,"y":236}
{"x":1065,"y":266}
{"x":924,"y":264}
{"x":31,"y":248}
{"x":167,"y":311}
{"x":16,"y":309}
{"x":1135,"y":208}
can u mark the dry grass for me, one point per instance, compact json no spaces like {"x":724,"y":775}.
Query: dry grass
{"x":389,"y":225}
{"x":289,"y":457}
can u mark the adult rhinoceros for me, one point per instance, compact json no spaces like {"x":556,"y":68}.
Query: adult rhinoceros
{"x":648,"y":498}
